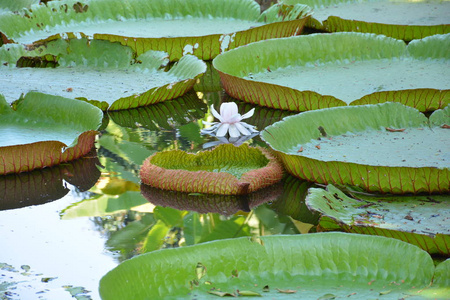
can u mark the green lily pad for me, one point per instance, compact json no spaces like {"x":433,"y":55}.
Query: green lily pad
{"x":400,"y":19}
{"x":385,"y":147}
{"x":43,"y":131}
{"x":103,"y":73}
{"x":226,"y":170}
{"x":200,"y":27}
{"x":315,"y":71}
{"x":419,"y":220}
{"x":207,"y":203}
{"x":49,"y":184}
{"x":7,"y":6}
{"x":310,"y":266}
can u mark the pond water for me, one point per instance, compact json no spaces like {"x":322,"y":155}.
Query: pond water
{"x":63,"y":228}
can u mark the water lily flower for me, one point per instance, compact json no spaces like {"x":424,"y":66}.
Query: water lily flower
{"x":230,"y":122}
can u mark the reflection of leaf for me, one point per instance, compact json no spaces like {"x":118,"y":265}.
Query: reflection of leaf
{"x":126,"y":239}
{"x":166,"y":115}
{"x":319,"y":262}
{"x":102,"y":205}
{"x":171,"y":217}
{"x":41,"y":186}
{"x":232,"y":228}
{"x":155,"y":237}
{"x":205,"y":203}
{"x":274,"y":223}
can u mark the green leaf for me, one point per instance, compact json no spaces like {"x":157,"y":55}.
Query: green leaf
{"x":15,"y":5}
{"x":100,"y":72}
{"x":227,"y":170}
{"x":381,"y":17}
{"x":289,"y":73}
{"x":200,"y":27}
{"x":310,"y":264}
{"x":361,"y":150}
{"x":419,"y":220}
{"x":45,"y":130}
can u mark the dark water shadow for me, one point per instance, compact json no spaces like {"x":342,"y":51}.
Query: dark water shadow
{"x":49,"y":184}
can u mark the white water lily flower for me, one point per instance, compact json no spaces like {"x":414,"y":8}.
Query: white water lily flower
{"x":230,"y":122}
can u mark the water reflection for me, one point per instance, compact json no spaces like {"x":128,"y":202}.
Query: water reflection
{"x":48,"y":184}
{"x":119,"y":217}
{"x":206,"y":203}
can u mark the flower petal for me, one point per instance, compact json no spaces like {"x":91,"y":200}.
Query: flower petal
{"x":227,"y":111}
{"x":251,"y":128}
{"x":242,"y":129}
{"x":209,"y":123}
{"x":223,"y":129}
{"x":248,"y":114}
{"x":215,"y":113}
{"x":234,"y":119}
{"x":234,"y":132}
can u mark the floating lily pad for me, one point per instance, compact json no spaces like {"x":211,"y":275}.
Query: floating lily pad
{"x":419,"y":220}
{"x":401,"y":19}
{"x":315,"y":71}
{"x":49,"y":184}
{"x":44,"y":131}
{"x":103,"y":73}
{"x":7,"y":6}
{"x":200,"y":27}
{"x":226,"y":170}
{"x":207,"y":203}
{"x":386,"y":147}
{"x":309,"y":266}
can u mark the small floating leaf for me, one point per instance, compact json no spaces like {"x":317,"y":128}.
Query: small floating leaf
{"x":222,"y":294}
{"x":200,"y":270}
{"x":249,"y":293}
{"x":287,"y":291}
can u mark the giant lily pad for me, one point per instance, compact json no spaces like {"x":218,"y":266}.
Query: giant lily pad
{"x":401,"y":19}
{"x":44,"y":131}
{"x":385,"y":147}
{"x":419,"y":220}
{"x":310,"y":266}
{"x":101,"y":72}
{"x":315,"y":71}
{"x":200,"y":27}
{"x":226,"y":170}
